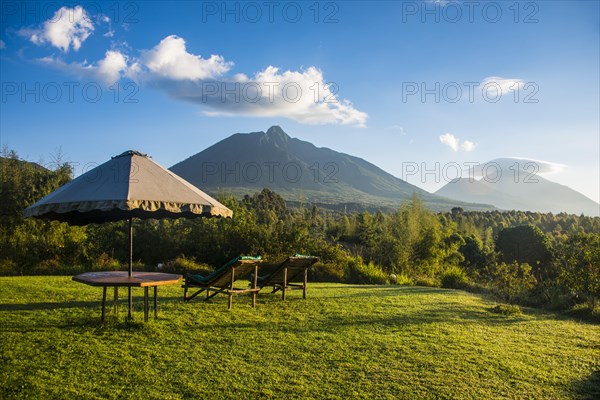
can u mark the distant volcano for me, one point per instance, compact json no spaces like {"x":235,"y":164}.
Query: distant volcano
{"x":516,"y":187}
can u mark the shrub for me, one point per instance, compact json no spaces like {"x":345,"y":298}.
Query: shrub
{"x":48,"y":267}
{"x":551,"y":295}
{"x":507,"y":309}
{"x":425,"y":280}
{"x":106,"y":262}
{"x":8,"y":267}
{"x":328,"y":272}
{"x":183,"y":265}
{"x":455,"y":278}
{"x":401,"y":279}
{"x":512,"y":280}
{"x":359,"y":272}
{"x":584,"y":312}
{"x":581,"y":273}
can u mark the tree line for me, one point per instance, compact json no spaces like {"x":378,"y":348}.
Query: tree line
{"x":541,"y":259}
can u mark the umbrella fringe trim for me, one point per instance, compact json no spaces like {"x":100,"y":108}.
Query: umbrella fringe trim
{"x":126,"y":205}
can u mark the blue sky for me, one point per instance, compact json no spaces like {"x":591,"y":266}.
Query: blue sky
{"x":161,"y":68}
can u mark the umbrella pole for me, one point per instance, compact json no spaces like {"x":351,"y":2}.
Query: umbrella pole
{"x":130,"y":265}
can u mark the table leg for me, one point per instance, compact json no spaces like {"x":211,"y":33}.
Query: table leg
{"x":284,"y":284}
{"x":129,"y":315}
{"x":254,"y":282}
{"x":146,"y":304}
{"x":231,"y":289}
{"x":116,"y":299}
{"x":155,"y":305}
{"x":103,"y":302}
{"x":304,"y":284}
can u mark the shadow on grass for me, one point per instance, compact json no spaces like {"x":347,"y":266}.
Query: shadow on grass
{"x":450,"y":311}
{"x":111,"y":322}
{"x":137,"y":301}
{"x":588,"y":388}
{"x":429,"y":317}
{"x":378,"y":288}
{"x":81,"y":322}
{"x":377,"y":291}
{"x":316,"y":312}
{"x":345,"y":291}
{"x":401,"y":319}
{"x":88,"y":315}
{"x":48,"y":305}
{"x":366,"y":291}
{"x":336,"y":326}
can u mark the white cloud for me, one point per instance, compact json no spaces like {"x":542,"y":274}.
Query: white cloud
{"x":454,"y":143}
{"x":111,"y":66}
{"x":110,"y":32}
{"x":108,"y":70}
{"x":78,"y":69}
{"x":493,"y":84}
{"x":135,"y":71}
{"x":302,"y":96}
{"x":467,"y":145}
{"x":170,"y":59}
{"x":2,"y":44}
{"x":524,"y":163}
{"x":511,"y":165}
{"x":449,"y":140}
{"x":68,"y":28}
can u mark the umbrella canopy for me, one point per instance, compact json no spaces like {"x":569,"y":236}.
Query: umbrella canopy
{"x":130,"y":185}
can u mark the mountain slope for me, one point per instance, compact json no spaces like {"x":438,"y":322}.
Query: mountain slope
{"x":299,"y":171}
{"x":534,"y":194}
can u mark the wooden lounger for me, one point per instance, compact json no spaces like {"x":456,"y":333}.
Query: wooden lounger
{"x":293,"y":268}
{"x":221,"y":280}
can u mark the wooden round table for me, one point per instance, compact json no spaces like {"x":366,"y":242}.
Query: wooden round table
{"x":122,"y":279}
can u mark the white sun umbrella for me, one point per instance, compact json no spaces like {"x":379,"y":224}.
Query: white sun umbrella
{"x":128,"y":186}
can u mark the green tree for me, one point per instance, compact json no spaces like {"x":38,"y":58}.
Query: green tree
{"x":580,"y":259}
{"x":512,"y":280}
{"x":474,"y":254}
{"x":526,"y":244}
{"x":29,"y":242}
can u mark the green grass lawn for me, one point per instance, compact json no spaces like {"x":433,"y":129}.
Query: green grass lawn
{"x":342,"y":342}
